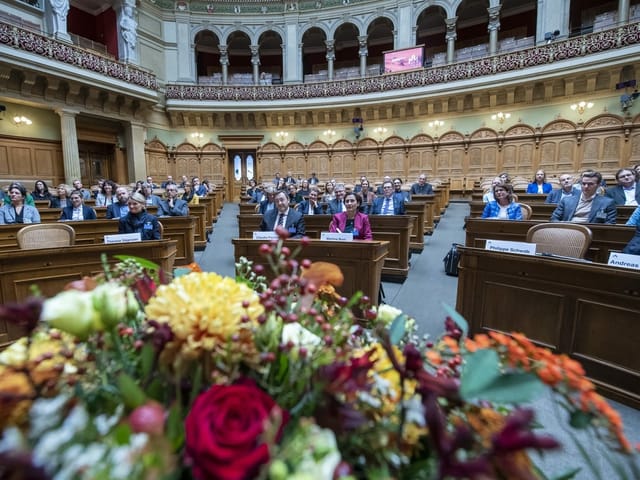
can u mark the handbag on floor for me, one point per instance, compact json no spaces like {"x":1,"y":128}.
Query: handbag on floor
{"x":451,"y":260}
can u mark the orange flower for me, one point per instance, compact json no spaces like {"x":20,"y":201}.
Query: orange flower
{"x":434,"y":357}
{"x":451,"y":343}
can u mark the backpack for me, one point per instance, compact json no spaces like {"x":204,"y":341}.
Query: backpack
{"x":451,"y":260}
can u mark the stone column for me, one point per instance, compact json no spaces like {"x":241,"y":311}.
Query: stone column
{"x":255,"y":61}
{"x":623,"y":11}
{"x":494,"y":26}
{"x":185,"y":53}
{"x":363,"y":52}
{"x":70,"y":153}
{"x":331,"y":56}
{"x":135,"y":135}
{"x":56,"y":12}
{"x":224,"y":61}
{"x":451,"y":36}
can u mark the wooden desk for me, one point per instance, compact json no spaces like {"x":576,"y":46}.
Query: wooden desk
{"x":586,"y":310}
{"x":606,"y":238}
{"x":52,"y":268}
{"x":93,"y":231}
{"x":360,"y":261}
{"x":417,"y":210}
{"x":395,"y":229}
{"x":429,"y":212}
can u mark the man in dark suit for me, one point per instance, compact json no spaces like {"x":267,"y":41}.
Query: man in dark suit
{"x":120,"y":208}
{"x":566,"y":190}
{"x":337,"y":204}
{"x":627,"y":191}
{"x":588,"y":207}
{"x":78,"y":210}
{"x":283,"y":217}
{"x":388,"y":203}
{"x":310,"y":206}
{"x":173,"y":206}
{"x":267,"y":204}
{"x":421,"y":187}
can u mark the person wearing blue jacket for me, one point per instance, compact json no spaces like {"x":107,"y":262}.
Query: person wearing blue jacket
{"x":503,"y":207}
{"x":539,"y":184}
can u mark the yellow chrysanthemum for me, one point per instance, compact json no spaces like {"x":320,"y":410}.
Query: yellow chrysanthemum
{"x":207,"y":313}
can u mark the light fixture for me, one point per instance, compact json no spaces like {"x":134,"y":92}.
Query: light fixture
{"x":501,"y":117}
{"x":282,"y":135}
{"x":380,"y":131}
{"x":329,"y":133}
{"x":21,"y":120}
{"x":197,"y":137}
{"x":436,"y":124}
{"x":580,"y":107}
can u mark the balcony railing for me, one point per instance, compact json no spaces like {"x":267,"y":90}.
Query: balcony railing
{"x":605,"y":40}
{"x":39,"y":44}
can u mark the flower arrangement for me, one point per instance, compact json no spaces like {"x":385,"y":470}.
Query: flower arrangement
{"x":127,"y":375}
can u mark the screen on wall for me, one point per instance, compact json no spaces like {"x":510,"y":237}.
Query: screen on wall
{"x":405,"y":59}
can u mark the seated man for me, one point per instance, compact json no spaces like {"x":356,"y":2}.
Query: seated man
{"x":77,"y":185}
{"x":284,"y":217}
{"x":173,"y":206}
{"x":566,"y":190}
{"x":400,"y":194}
{"x":627,"y":191}
{"x":311,"y":206}
{"x":120,"y":208}
{"x":78,"y":210}
{"x":421,"y":187}
{"x":588,"y":207}
{"x":388,"y":203}
{"x":337,"y":204}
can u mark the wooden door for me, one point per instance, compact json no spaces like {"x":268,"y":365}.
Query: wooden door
{"x":242,"y":165}
{"x":95,"y":161}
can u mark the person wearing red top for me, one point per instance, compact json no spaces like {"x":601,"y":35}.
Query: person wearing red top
{"x":352,"y":220}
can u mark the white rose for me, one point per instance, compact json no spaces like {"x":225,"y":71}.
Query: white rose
{"x":299,"y":336}
{"x":387,"y":313}
{"x":71,"y":311}
{"x":113,"y":302}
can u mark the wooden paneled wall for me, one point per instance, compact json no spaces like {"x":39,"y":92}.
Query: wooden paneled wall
{"x":27,"y":160}
{"x":605,"y":142}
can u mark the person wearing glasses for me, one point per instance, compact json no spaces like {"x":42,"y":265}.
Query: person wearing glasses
{"x":588,"y":207}
{"x":627,"y":191}
{"x":173,"y":206}
{"x":388,"y":203}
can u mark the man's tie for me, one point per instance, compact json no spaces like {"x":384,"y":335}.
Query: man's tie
{"x":386,"y":210}
{"x":281,"y":220}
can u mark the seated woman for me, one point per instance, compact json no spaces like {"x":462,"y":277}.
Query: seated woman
{"x":189,"y":195}
{"x":62,"y":200}
{"x":352,"y":221}
{"x":106,"y":195}
{"x":16,"y":211}
{"x":503,"y":207}
{"x":41,"y":191}
{"x":539,"y":184}
{"x":368,"y":196}
{"x":138,"y":220}
{"x":488,"y":196}
{"x":329,"y":192}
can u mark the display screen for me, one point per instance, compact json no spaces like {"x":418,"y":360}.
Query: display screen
{"x":405,"y":59}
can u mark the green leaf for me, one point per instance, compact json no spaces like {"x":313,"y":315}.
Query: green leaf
{"x":197,"y":384}
{"x":149,"y":265}
{"x":481,"y":379}
{"x":175,"y":426}
{"x":456,"y":317}
{"x":579,"y":419}
{"x":397,"y":328}
{"x":132,"y":394}
{"x":568,"y":475}
{"x":146,"y":359}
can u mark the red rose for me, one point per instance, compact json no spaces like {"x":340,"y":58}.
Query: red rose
{"x":224,"y":431}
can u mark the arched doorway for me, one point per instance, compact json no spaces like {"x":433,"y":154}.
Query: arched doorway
{"x":242,"y":162}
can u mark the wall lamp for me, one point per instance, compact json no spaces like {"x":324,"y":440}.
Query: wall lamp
{"x":380,"y":131}
{"x":329,"y":133}
{"x":580,"y":107}
{"x":21,"y":120}
{"x":282,"y":136}
{"x":501,"y":117}
{"x":197,"y":137}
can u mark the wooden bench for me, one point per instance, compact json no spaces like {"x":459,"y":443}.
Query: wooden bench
{"x":606,"y":238}
{"x":395,"y":229}
{"x":90,"y":232}
{"x":361,"y":262}
{"x":429,"y":212}
{"x":586,"y":310}
{"x":52,"y":268}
